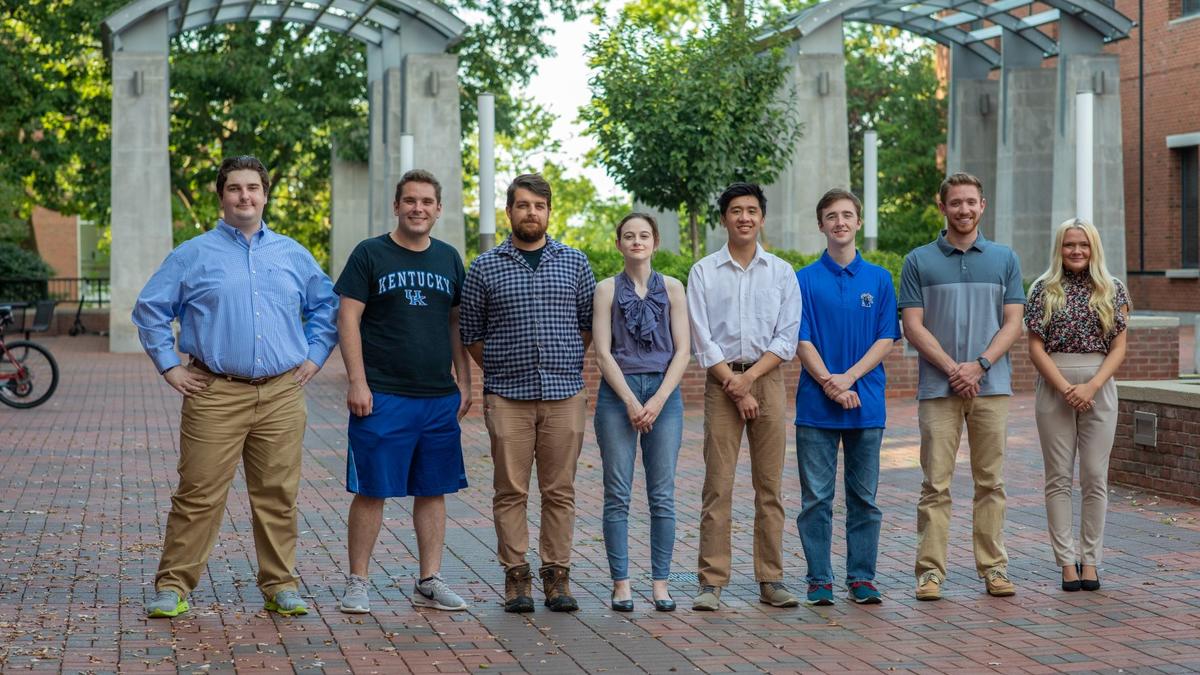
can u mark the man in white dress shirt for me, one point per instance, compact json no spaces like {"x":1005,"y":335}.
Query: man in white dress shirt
{"x":744,"y":306}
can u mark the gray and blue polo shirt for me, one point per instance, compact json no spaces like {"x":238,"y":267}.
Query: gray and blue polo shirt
{"x":963,"y":294}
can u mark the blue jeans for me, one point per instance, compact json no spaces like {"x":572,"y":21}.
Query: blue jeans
{"x":816,"y":452}
{"x":618,"y":449}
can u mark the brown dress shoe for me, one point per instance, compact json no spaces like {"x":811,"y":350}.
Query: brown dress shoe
{"x":997,"y":583}
{"x":518,"y":589}
{"x":556,"y":581}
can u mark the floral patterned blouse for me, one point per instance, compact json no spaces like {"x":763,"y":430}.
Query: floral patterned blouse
{"x":1075,"y":327}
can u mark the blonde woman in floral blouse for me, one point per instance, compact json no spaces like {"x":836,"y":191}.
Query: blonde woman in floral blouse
{"x":1076,"y":315}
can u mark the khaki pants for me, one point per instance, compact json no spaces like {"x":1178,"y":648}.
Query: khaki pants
{"x":722,"y":443}
{"x":941,"y":422}
{"x":550,"y":434}
{"x":263,"y":426}
{"x":1063,"y":432}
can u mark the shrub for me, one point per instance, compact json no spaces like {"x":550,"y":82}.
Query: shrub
{"x":18,"y":263}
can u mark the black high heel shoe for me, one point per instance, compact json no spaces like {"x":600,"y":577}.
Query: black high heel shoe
{"x":1072,"y":586}
{"x":1089,"y":584}
{"x":667,"y":605}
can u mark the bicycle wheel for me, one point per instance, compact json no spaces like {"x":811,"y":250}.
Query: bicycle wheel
{"x":28,"y":374}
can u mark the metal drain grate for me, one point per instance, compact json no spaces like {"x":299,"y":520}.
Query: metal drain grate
{"x":684,"y":576}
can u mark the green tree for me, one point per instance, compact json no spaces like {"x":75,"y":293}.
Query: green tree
{"x":892,"y":87}
{"x":282,"y":92}
{"x":676,"y":122}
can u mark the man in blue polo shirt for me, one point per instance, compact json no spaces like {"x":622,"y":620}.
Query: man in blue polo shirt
{"x":962,"y":301}
{"x":848,"y":325}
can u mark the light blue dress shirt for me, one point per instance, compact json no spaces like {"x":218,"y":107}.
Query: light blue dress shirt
{"x":239,"y":304}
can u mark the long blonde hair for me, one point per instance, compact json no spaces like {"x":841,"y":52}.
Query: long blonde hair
{"x":1104,"y":290}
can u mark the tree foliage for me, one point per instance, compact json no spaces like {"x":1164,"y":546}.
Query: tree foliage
{"x":677,"y":121}
{"x":280,"y":92}
{"x":892,"y":87}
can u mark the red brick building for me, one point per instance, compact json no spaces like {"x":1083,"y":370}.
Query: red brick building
{"x":1162,"y":209}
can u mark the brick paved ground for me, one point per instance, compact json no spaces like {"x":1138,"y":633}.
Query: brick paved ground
{"x":85,"y":480}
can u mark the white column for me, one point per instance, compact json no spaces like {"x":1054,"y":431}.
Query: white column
{"x":871,"y":189}
{"x":1084,"y":145}
{"x":487,"y":172}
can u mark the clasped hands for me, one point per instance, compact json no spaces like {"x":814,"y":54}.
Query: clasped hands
{"x":837,"y":388}
{"x":643,"y":415}
{"x":1081,"y":397}
{"x":965,"y":378}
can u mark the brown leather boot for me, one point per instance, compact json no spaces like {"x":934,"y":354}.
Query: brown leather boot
{"x":518,"y":589}
{"x":556,"y":582}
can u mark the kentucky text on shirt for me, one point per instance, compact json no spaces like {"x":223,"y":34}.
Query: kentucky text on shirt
{"x":415,"y":279}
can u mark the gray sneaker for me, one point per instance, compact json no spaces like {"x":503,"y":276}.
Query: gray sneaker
{"x":709,"y":599}
{"x":355,"y":600}
{"x":287,"y":603}
{"x":776,"y":594}
{"x":166,"y":604}
{"x":433,"y":592}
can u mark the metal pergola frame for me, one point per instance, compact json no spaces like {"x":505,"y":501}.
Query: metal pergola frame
{"x":365,"y":20}
{"x":957,"y":22}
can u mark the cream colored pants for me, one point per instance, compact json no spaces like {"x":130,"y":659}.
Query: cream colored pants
{"x":1066,"y":433}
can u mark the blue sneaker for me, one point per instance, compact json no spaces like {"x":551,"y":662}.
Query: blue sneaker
{"x":820,"y":595}
{"x":287,"y":603}
{"x":864,"y":593}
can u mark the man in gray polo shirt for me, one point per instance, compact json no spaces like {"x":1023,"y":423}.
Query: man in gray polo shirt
{"x":961,"y":302}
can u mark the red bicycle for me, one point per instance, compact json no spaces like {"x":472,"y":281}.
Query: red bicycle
{"x":28,"y":372}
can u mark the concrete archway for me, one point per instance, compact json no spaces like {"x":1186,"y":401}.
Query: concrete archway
{"x":412,"y":88}
{"x":1016,"y":132}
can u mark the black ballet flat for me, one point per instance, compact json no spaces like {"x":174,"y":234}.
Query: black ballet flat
{"x":622,"y":605}
{"x":664,"y":605}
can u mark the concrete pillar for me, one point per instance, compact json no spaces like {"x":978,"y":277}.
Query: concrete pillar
{"x":431,"y":115}
{"x":1024,"y":153}
{"x":821,"y":158}
{"x":350,"y":209}
{"x":668,"y":226}
{"x":972,"y":124}
{"x":1082,"y":66}
{"x":141,"y":177}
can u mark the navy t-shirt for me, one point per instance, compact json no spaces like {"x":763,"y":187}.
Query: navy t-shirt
{"x":845,"y":311}
{"x":406,"y":324}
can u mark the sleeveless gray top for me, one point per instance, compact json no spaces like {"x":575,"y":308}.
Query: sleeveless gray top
{"x":641,"y":327}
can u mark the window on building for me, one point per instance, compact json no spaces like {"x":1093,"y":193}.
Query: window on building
{"x":1190,"y":205}
{"x":1190,"y":7}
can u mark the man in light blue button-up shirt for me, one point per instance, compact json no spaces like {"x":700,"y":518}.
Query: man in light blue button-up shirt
{"x":256,"y":317}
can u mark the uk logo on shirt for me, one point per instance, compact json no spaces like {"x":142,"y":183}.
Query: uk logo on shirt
{"x":415,"y":298}
{"x":867,"y":299}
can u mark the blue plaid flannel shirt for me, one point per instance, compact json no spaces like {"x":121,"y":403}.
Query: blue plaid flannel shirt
{"x":529,"y":320}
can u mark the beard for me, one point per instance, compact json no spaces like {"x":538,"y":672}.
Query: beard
{"x":529,"y":231}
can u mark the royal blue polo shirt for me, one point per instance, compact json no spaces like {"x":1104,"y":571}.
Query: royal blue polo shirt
{"x":846,"y":310}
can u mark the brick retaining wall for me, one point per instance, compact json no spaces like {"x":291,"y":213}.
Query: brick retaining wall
{"x":1173,"y":466}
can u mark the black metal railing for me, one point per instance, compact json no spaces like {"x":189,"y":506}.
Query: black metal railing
{"x":86,"y":291}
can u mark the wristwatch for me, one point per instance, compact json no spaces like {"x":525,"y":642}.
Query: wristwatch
{"x":984,"y":363}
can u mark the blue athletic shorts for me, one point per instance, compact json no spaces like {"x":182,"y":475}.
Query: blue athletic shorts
{"x":406,"y":447}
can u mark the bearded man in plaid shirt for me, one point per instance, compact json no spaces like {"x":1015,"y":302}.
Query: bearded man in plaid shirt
{"x":527,"y":321}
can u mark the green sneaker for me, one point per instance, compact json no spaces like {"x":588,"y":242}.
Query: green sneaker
{"x":287,"y":603}
{"x":166,"y":604}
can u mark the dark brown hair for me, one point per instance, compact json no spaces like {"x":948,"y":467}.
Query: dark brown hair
{"x":419,"y":176}
{"x":838,"y":194}
{"x":242,"y":163}
{"x":644,"y":216}
{"x":529,"y":181}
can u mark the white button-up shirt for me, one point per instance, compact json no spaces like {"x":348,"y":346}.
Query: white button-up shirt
{"x":738,"y":314}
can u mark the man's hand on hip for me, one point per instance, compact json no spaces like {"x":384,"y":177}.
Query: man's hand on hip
{"x":305,"y":372}
{"x":185,"y":381}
